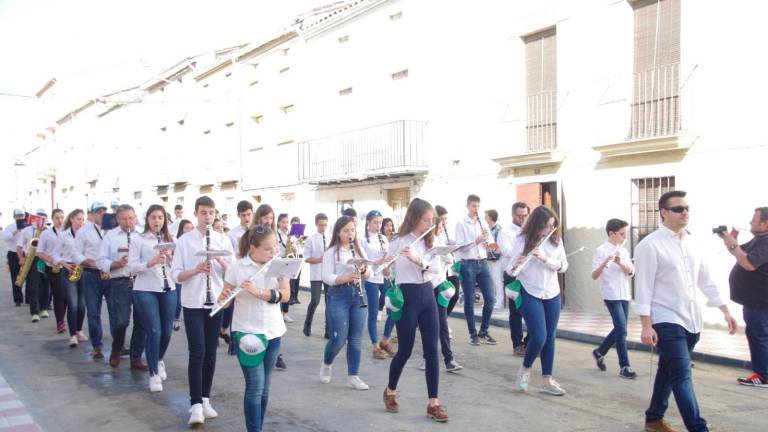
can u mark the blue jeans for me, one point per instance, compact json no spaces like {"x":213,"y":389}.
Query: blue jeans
{"x":420,"y":310}
{"x":202,"y":341}
{"x":445,"y":336}
{"x":618,"y":336}
{"x":757,"y":337}
{"x":541,"y":317}
{"x":257,"y":381}
{"x":477,"y":271}
{"x":155,"y":311}
{"x":675,"y":345}
{"x":346,"y":320}
{"x":372,"y":292}
{"x":95,"y":289}
{"x":120,"y":306}
{"x":75,"y":302}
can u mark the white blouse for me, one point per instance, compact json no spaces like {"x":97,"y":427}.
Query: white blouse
{"x":252,"y":314}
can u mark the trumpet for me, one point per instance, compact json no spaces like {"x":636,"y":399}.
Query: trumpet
{"x":76,"y":274}
{"x":516,"y":270}
{"x":222,"y":303}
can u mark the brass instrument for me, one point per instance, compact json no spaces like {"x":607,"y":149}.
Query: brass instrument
{"x":56,"y":269}
{"x":76,"y":274}
{"x":30,"y":255}
{"x":104,"y":275}
{"x":290,"y":249}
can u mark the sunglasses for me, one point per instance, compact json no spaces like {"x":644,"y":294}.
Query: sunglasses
{"x":678,"y":209}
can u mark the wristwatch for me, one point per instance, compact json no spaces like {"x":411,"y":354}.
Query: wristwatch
{"x":732,"y":247}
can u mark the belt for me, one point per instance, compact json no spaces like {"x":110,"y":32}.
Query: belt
{"x":343,"y":286}
{"x":120,"y":278}
{"x":92,"y":270}
{"x":474,"y":259}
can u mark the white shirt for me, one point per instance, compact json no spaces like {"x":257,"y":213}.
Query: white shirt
{"x":113,"y":247}
{"x":333,"y":268}
{"x":282,"y":238}
{"x":65,"y":247}
{"x":173,"y":228}
{"x":142,"y":250}
{"x":24,"y":237}
{"x":406,"y":272}
{"x":235,"y":234}
{"x":375,"y":247}
{"x":668,"y":271}
{"x":506,"y":242}
{"x":467,"y":231}
{"x":444,"y":262}
{"x":539,"y":278}
{"x":194,"y":289}
{"x":315,"y":248}
{"x":253,"y":315}
{"x":87,"y":243}
{"x":613,"y":281}
{"x":10,"y":238}
{"x":49,"y":241}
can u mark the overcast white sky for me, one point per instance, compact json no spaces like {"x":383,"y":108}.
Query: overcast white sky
{"x":94,"y":46}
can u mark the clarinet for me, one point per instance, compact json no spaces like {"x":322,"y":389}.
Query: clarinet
{"x":166,"y":285}
{"x":363,"y":303}
{"x":208,"y":291}
{"x":128,"y":236}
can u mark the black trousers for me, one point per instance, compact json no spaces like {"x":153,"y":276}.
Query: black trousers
{"x":59,"y":292}
{"x":37,"y":290}
{"x":515,"y":319}
{"x":13,"y":265}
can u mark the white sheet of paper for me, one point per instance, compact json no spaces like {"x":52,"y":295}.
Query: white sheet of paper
{"x":285,"y":267}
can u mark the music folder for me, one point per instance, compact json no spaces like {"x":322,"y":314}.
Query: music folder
{"x":285,"y":267}
{"x":445,"y":250}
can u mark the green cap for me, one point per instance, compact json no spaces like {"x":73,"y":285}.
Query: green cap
{"x":395,"y":302}
{"x":251,"y":348}
{"x":445,"y":291}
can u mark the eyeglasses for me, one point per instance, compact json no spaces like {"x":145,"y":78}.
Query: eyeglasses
{"x":678,"y":209}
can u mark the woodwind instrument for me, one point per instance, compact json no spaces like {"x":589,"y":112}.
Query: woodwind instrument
{"x":33,"y":242}
{"x":394,"y":256}
{"x":516,"y":270}
{"x":166,"y":285}
{"x":222,"y":303}
{"x":208,"y":291}
{"x":362,"y":301}
{"x":492,"y":250}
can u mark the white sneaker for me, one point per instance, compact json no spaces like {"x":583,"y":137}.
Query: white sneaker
{"x":73,"y":342}
{"x":356,"y":383}
{"x":325,"y":373}
{"x":208,"y":410}
{"x":161,"y":370}
{"x":155,"y":383}
{"x":378,"y":316}
{"x":287,"y":318}
{"x":523,"y":378}
{"x":196,"y":414}
{"x":552,"y":387}
{"x":81,"y":336}
{"x":35,"y":318}
{"x":44,"y":314}
{"x":423,"y":364}
{"x":450,"y":333}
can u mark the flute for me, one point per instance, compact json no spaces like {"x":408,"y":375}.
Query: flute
{"x":516,"y":270}
{"x":394,"y":256}
{"x":237,"y":290}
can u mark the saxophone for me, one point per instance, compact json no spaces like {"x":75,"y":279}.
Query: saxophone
{"x":290,"y":249}
{"x":30,"y":256}
{"x":76,"y":274}
{"x":56,"y":269}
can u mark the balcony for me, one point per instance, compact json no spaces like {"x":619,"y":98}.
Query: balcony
{"x":653,"y":101}
{"x":388,"y":150}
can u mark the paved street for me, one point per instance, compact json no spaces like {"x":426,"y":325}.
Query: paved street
{"x":65,"y":390}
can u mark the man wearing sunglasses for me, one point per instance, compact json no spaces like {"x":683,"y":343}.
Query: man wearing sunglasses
{"x":749,"y":288}
{"x":670,"y":272}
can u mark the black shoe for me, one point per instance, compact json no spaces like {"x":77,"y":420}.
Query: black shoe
{"x":18,"y":304}
{"x":599,"y":360}
{"x":280,"y":365}
{"x":627,"y":372}
{"x":307,"y":331}
{"x":486,"y":338}
{"x":474,"y":340}
{"x":297,"y":301}
{"x":453,"y":366}
{"x":225,"y":336}
{"x":292,"y":302}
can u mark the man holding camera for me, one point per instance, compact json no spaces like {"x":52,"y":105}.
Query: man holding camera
{"x":749,"y":288}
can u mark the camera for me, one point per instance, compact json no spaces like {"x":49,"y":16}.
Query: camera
{"x":719,"y":229}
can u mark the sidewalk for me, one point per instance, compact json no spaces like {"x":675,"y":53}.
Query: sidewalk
{"x":14,"y":416}
{"x":715,"y":346}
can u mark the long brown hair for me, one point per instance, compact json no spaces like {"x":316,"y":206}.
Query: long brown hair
{"x":253,"y":237}
{"x":416,"y":210}
{"x":70,"y":216}
{"x":262,"y":211}
{"x":535,"y":224}
{"x":164,"y":229}
{"x":336,"y":237}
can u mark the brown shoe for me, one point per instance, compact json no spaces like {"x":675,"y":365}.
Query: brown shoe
{"x":390,"y":402}
{"x":659,"y":425}
{"x":114,"y":358}
{"x":378,"y":353}
{"x":519,"y":351}
{"x":437,"y":413}
{"x":386,"y":346}
{"x":139,"y":365}
{"x":97,"y":354}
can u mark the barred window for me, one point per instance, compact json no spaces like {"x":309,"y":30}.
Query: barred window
{"x":645,"y":204}
{"x":541,"y":90}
